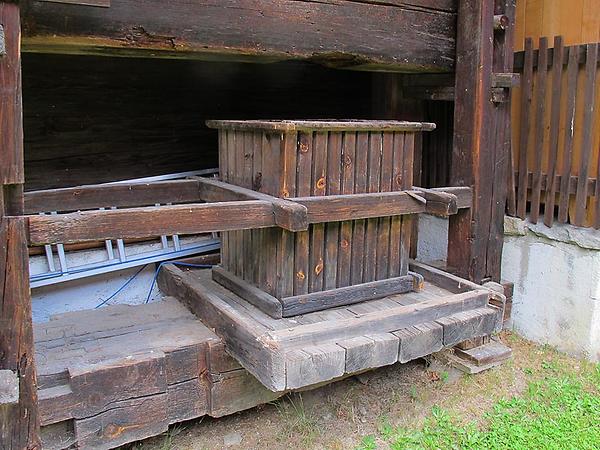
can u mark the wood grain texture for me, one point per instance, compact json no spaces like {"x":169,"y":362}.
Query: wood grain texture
{"x":539,"y":128}
{"x":325,"y":299}
{"x":11,"y":112}
{"x":472,"y":161}
{"x":19,"y":423}
{"x":557,"y":72}
{"x":149,"y":221}
{"x":586,"y":145}
{"x":291,"y":29}
{"x":118,"y":195}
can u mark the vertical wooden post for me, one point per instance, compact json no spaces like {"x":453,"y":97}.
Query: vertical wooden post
{"x":480,"y":146}
{"x":19,"y":423}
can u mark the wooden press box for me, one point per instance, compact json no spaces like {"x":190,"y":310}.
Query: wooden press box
{"x":356,"y":248}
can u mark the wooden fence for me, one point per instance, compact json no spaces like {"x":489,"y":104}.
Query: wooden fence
{"x":556,"y":135}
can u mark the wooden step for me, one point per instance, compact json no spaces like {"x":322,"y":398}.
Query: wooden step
{"x":292,"y":353}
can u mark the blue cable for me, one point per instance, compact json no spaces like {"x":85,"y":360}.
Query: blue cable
{"x":176,"y":263}
{"x":122,"y":287}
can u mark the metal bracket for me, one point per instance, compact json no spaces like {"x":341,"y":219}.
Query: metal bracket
{"x":2,"y":41}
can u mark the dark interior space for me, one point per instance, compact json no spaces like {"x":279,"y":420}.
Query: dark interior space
{"x":94,"y":119}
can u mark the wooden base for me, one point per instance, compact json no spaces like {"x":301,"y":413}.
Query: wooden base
{"x":292,"y":353}
{"x":118,"y":374}
{"x":315,"y":301}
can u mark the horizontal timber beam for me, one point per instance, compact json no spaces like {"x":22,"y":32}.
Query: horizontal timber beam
{"x":289,"y":215}
{"x":135,"y":223}
{"x":109,"y":195}
{"x":231,"y":208}
{"x":382,"y":321}
{"x":378,"y":35}
{"x":335,"y":208}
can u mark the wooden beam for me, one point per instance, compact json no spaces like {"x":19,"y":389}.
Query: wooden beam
{"x":416,"y":37}
{"x":480,"y":148}
{"x":333,"y":208}
{"x":289,"y":215}
{"x":388,"y":319}
{"x":318,"y":301}
{"x":108,"y":195}
{"x":506,"y":80}
{"x":446,"y":201}
{"x":135,"y":223}
{"x":19,"y":422}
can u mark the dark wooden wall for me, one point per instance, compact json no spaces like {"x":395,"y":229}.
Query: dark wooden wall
{"x":91,"y":119}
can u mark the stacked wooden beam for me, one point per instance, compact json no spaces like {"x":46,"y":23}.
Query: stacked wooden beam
{"x":292,"y":353}
{"x":122,"y":373}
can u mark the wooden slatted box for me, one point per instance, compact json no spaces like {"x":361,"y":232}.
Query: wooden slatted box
{"x":306,"y":271}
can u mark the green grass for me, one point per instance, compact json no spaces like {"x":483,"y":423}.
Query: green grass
{"x":560,"y":409}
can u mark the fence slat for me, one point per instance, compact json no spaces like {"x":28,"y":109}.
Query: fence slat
{"x":586,"y":147}
{"x":567,"y":159}
{"x":542,"y":75}
{"x":557,"y":70}
{"x":526,"y":91}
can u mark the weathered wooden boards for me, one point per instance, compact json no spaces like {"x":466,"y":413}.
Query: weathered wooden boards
{"x":123,"y":373}
{"x":19,"y":425}
{"x":399,"y":35}
{"x":560,"y":163}
{"x":321,"y":346}
{"x":347,"y":175}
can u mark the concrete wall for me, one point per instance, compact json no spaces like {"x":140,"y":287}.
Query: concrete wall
{"x":556,"y":272}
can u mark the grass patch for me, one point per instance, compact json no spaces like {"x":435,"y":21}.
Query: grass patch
{"x":559,"y":409}
{"x":297,"y":423}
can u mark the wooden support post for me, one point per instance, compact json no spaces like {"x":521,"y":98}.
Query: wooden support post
{"x":19,"y":424}
{"x":481,"y":141}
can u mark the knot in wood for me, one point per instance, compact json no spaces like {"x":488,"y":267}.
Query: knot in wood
{"x":319,"y":268}
{"x":300,"y":275}
{"x":321,"y":183}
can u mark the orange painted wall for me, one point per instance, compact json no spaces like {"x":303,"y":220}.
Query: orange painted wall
{"x":578,"y":21}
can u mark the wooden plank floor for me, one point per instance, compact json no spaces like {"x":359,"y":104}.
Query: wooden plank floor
{"x":296,"y":352}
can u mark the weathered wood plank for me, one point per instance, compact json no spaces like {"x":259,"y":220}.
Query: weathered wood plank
{"x":341,"y":207}
{"x":370,"y":351}
{"x":288,"y":215}
{"x":259,"y":298}
{"x":332,"y":230}
{"x":526,"y":97}
{"x":149,"y":221}
{"x":314,"y":364}
{"x":118,"y":195}
{"x":469,"y":324}
{"x":409,"y":36}
{"x":347,"y":187}
{"x":239,"y":331}
{"x":586,"y":145}
{"x":539,"y":128}
{"x":557,"y":71}
{"x":419,"y":341}
{"x":11,"y":112}
{"x":129,"y":420}
{"x":381,"y":321}
{"x":348,"y":295}
{"x":19,"y":423}
{"x":317,"y":233}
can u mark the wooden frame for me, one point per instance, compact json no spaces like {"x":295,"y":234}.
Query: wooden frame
{"x":286,"y":354}
{"x":245,"y":209}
